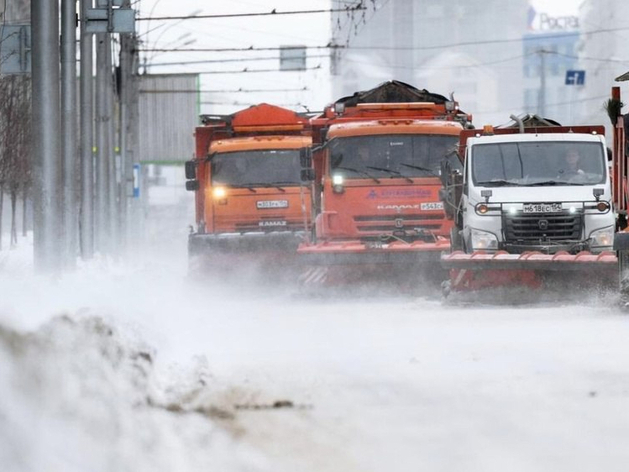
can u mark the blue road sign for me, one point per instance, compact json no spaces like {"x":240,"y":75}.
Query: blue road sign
{"x":575,"y":77}
{"x":136,"y":180}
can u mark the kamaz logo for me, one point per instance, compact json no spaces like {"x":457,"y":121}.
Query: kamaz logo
{"x":542,"y":224}
{"x":272,"y":223}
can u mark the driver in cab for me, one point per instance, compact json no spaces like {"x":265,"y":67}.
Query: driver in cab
{"x":571,"y":166}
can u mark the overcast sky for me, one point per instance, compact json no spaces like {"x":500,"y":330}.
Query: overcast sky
{"x":258,"y":32}
{"x":223,"y":70}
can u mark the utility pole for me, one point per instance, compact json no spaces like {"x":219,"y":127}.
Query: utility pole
{"x":102,"y":217}
{"x":542,"y":83}
{"x":104,"y":21}
{"x":127,"y":72}
{"x":47,"y":182}
{"x":87,"y":137}
{"x":68,"y":128}
{"x":112,"y":181}
{"x":403,"y":39}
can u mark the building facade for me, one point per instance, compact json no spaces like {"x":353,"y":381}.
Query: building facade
{"x":469,"y":48}
{"x":497,"y":58}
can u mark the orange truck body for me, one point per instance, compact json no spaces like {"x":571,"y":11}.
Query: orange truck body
{"x":251,"y":207}
{"x":384,"y":214}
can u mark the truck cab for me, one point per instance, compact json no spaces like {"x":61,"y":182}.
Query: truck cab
{"x":252,"y":209}
{"x":546,"y":190}
{"x":380,"y":182}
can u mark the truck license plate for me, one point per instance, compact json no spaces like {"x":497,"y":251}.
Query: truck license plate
{"x":432,"y":206}
{"x":542,"y":207}
{"x":272,"y":204}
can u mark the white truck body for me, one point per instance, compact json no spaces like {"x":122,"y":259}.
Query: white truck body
{"x":518,"y":196}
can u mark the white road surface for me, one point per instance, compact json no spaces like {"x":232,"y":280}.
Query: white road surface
{"x":132,"y":367}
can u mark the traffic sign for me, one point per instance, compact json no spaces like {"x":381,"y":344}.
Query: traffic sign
{"x":575,"y":77}
{"x":115,"y":20}
{"x":15,"y":49}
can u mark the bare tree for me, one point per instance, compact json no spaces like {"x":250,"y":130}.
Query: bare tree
{"x":15,"y":142}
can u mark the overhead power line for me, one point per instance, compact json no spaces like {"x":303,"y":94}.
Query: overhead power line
{"x":249,"y":71}
{"x":240,"y":90}
{"x":220,"y":61}
{"x":273,"y":12}
{"x":294,"y":106}
{"x":250,"y":48}
{"x":531,"y":38}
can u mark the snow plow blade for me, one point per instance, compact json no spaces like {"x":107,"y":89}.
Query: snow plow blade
{"x":532,"y":270}
{"x":355,"y":264}
{"x":250,"y":257}
{"x":530,"y":260}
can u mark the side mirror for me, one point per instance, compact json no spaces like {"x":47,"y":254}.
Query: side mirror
{"x":192,"y":185}
{"x":305,"y":157}
{"x":191,"y":170}
{"x":445,"y":174}
{"x":307,"y":175}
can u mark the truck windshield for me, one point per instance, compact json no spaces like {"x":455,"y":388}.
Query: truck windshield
{"x":538,"y":163}
{"x":260,"y":167}
{"x":392,"y":156}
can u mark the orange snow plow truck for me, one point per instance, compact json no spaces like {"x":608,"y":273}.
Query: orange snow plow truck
{"x":375,"y":180}
{"x":252,"y":209}
{"x":532,"y":208}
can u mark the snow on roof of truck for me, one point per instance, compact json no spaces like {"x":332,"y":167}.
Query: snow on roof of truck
{"x":253,"y":143}
{"x":395,"y":126}
{"x":529,"y":137}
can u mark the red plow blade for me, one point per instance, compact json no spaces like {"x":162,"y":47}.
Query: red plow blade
{"x":352,"y":264}
{"x":529,"y":260}
{"x":533,"y":270}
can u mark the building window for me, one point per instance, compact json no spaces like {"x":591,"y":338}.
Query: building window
{"x":292,"y":58}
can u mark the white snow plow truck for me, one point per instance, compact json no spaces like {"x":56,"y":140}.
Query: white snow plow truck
{"x":532,"y":207}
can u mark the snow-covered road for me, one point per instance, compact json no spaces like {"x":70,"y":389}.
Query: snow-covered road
{"x":132,"y":367}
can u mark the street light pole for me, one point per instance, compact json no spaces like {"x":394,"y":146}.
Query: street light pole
{"x":542,"y":80}
{"x":47,"y":188}
{"x":101,"y":207}
{"x":87,"y":137}
{"x":69,"y":131}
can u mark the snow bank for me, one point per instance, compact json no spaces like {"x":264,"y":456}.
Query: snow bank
{"x":78,"y":394}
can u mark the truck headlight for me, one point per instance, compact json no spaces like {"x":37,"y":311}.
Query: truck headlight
{"x":602,"y":237}
{"x":482,"y":240}
{"x":337,"y":183}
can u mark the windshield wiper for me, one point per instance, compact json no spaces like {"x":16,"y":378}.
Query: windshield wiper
{"x":553,"y":182}
{"x":247,"y":186}
{"x":425,"y":169}
{"x":266,"y":185}
{"x":393,"y":172}
{"x":498,"y":183}
{"x":359,"y":172}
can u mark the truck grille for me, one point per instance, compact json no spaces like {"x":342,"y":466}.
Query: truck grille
{"x":254,"y":226}
{"x":390,"y":223}
{"x":535,"y":228}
